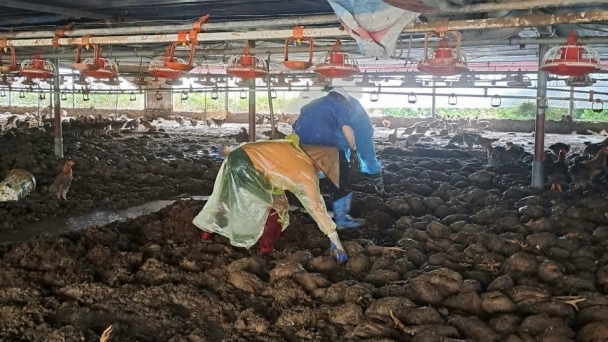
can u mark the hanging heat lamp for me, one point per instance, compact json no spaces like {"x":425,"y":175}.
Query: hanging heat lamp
{"x":519,"y":80}
{"x":11,"y":67}
{"x":452,"y":100}
{"x":132,"y":97}
{"x":306,"y":92}
{"x":158,"y":96}
{"x":410,"y":81}
{"x":243,"y":94}
{"x":597,"y":106}
{"x":246,"y":66}
{"x":281,"y":82}
{"x":580,"y":81}
{"x":571,"y":59}
{"x":411,"y":98}
{"x":495,"y":101}
{"x":337,"y":64}
{"x":365,"y":82}
{"x":214,"y":93}
{"x":443,"y":61}
{"x":298,"y":38}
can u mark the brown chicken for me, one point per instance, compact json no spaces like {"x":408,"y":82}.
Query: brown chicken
{"x":409,"y":130}
{"x":219,"y":122}
{"x":193,"y":122}
{"x":558,"y":147}
{"x":386,"y":123}
{"x":277,"y":134}
{"x":63,"y":181}
{"x":582,"y":174}
{"x":242,"y":136}
{"x":412,"y":139}
{"x":558,"y":171}
{"x":485,"y":141}
{"x":592,"y":149}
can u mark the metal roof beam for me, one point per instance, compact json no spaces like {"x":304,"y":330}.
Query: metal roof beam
{"x":65,"y":12}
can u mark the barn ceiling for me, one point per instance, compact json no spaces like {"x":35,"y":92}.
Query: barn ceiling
{"x":480,"y":46}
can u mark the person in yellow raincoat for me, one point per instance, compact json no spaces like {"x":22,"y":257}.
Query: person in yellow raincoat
{"x":251,"y":184}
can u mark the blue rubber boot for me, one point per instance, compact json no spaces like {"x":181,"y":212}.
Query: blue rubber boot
{"x":341,"y":209}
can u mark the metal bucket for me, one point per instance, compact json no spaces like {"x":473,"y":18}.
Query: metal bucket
{"x":17,"y":185}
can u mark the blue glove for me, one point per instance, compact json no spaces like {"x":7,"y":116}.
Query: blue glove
{"x":336,"y":246}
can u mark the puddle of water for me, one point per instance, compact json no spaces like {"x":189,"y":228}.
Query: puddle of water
{"x":96,"y":218}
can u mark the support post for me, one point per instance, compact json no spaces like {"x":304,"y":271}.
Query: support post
{"x":57,"y":112}
{"x":252,"y":103}
{"x":538,"y":175}
{"x":571,"y":104}
{"x":433,"y":102}
{"x":271,"y":110}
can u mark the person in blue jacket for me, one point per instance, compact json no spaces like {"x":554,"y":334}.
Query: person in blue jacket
{"x":364,"y":133}
{"x":317,"y":125}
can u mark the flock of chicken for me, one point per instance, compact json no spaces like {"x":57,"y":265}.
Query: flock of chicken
{"x":580,"y":171}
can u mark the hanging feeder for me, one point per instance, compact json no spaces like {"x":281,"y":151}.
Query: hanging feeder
{"x":132,"y":97}
{"x":103,"y":68}
{"x":273,"y":94}
{"x":306,"y":92}
{"x":184,"y":95}
{"x":64,"y":97}
{"x":37,"y":68}
{"x":365,"y":82}
{"x":495,"y":101}
{"x":158,"y":69}
{"x":281,"y":82}
{"x":337,"y":64}
{"x":158,"y":96}
{"x":410,"y":81}
{"x":243,"y":94}
{"x":597,"y":106}
{"x":580,"y":81}
{"x":42,"y":96}
{"x":178,"y":64}
{"x":411,"y":98}
{"x":246,"y":66}
{"x":12,"y":66}
{"x":519,"y":80}
{"x":22,"y":94}
{"x":214,"y":94}
{"x":3,"y":93}
{"x":298,"y":37}
{"x":87,"y":64}
{"x":571,"y":59}
{"x":443,"y":61}
{"x":85,"y":96}
{"x":452,"y":100}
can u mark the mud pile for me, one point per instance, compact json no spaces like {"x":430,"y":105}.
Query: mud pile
{"x":456,"y":252}
{"x":110,"y":172}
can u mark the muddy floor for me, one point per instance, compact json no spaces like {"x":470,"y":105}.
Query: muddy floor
{"x":458,"y":252}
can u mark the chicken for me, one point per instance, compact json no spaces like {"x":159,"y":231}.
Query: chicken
{"x":582,"y":174}
{"x":208,"y":122}
{"x":11,"y":120}
{"x":277,"y":134}
{"x":557,"y":148}
{"x":261,"y":120}
{"x":219,"y":122}
{"x":514,"y":152}
{"x":242,"y":136}
{"x":193,"y":122}
{"x":63,"y":181}
{"x":412,"y":139}
{"x":392,"y":138}
{"x":481,"y":125}
{"x":464,"y":138}
{"x":484,"y":141}
{"x":386,"y":123}
{"x":592,"y":149}
{"x":421,"y":129}
{"x":181,"y":121}
{"x":557,"y":171}
{"x":409,"y":130}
